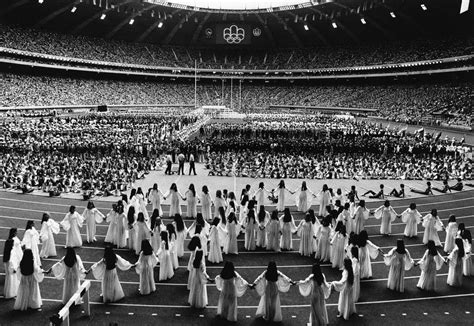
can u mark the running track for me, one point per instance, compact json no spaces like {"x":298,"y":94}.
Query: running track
{"x":168,"y":305}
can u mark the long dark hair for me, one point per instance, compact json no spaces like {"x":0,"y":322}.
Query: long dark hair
{"x":205,"y":190}
{"x":133,"y":192}
{"x":154,"y":218}
{"x":317,"y":274}
{"x":164,"y":237}
{"x":251,"y":215}
{"x":350,"y":271}
{"x":131,"y":215}
{"x":401,"y":247}
{"x":304,"y":188}
{"x":272,"y":272}
{"x":286,"y":215}
{"x":245,"y":199}
{"x":27,"y":263}
{"x":228,"y":271}
{"x":281,"y":184}
{"x":110,"y":258}
{"x":29,"y":225}
{"x":200,"y":220}
{"x":274,"y":215}
{"x":192,"y":189}
{"x":174,"y":187}
{"x":171,"y":230}
{"x":9,"y":245}
{"x":146,"y":247}
{"x":70,"y":259}
{"x":231,"y":218}
{"x":198,"y":259}
{"x":262,"y":213}
{"x":222,"y":215}
{"x":45,"y":218}
{"x":363,"y":237}
{"x":460,"y":244}
{"x":194,"y":243}
{"x":355,"y":252}
{"x":179,"y":223}
{"x":432,"y":248}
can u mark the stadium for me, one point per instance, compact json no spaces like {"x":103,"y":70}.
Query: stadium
{"x":322,"y":148}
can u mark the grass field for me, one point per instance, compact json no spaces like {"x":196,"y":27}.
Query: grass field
{"x":168,"y":305}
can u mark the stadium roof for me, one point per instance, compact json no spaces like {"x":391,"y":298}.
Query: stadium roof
{"x":238,"y":4}
{"x":308,"y":24}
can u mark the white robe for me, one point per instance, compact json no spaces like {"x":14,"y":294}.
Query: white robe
{"x":111,"y":287}
{"x":412,"y":218}
{"x":48,"y":247}
{"x":144,"y":268}
{"x":269,"y":306}
{"x":388,"y":215}
{"x":432,"y":225}
{"x":31,"y":241}
{"x":12,"y":281}
{"x":29,"y":295}
{"x":92,"y":217}
{"x":72,"y":224}
{"x":319,"y":294}
{"x":230,"y":290}
{"x":197,"y":288}
{"x":155,"y":198}
{"x":71,"y":276}
{"x":346,"y":305}
{"x":398,"y":263}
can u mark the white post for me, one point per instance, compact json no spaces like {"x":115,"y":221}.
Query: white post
{"x":231,"y":79}
{"x":195,"y":84}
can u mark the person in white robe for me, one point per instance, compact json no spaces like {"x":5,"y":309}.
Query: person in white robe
{"x":431,"y":262}
{"x":281,"y":194}
{"x":12,"y":255}
{"x":181,"y":233}
{"x":172,"y":236}
{"x":197,"y":288}
{"x":154,"y":196}
{"x":306,"y":233}
{"x":269,"y":285}
{"x":112,"y":218}
{"x":92,"y":216}
{"x":412,"y":218}
{"x":359,"y":217}
{"x":175,"y":206}
{"x":233,"y":229}
{"x":466,"y":237}
{"x":455,"y":263}
{"x":354,"y":256}
{"x":49,"y":227}
{"x":367,"y":250}
{"x":165,"y":258}
{"x":346,"y":218}
{"x":141,"y":204}
{"x":231,"y":286}
{"x":30,"y":275}
{"x":399,"y":261}
{"x":144,"y":267}
{"x":273,"y":231}
{"x":451,"y":231}
{"x":260,"y":194}
{"x":31,"y":240}
{"x":316,"y":287}
{"x":142,"y":232}
{"x":388,"y":215}
{"x":325,"y":198}
{"x":243,"y":208}
{"x":304,"y":198}
{"x":287,"y":227}
{"x":338,"y":244}
{"x":72,"y":223}
{"x":71,"y":270}
{"x":156,"y":227}
{"x":250,"y":225}
{"x":432,"y":225}
{"x":105,"y":271}
{"x":191,"y":201}
{"x":263,"y":217}
{"x":323,"y":236}
{"x":215,"y":252}
{"x":206,"y":203}
{"x":219,"y":202}
{"x":345,"y":286}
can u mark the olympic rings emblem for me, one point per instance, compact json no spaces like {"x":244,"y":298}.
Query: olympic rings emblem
{"x":233,"y":34}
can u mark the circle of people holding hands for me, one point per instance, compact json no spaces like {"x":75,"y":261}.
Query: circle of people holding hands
{"x":336,"y":234}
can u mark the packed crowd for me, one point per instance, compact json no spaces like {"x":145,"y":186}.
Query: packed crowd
{"x":335,"y":235}
{"x":84,"y":47}
{"x":92,"y":153}
{"x":322,"y":147}
{"x":400,"y":102}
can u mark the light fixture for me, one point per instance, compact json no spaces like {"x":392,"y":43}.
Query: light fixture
{"x":73,"y":9}
{"x":102,"y":17}
{"x":362,"y":20}
{"x":393,"y":14}
{"x":40,"y":1}
{"x":423,"y":6}
{"x":334,"y":25}
{"x":131,"y":21}
{"x":160,"y":24}
{"x":306,"y":28}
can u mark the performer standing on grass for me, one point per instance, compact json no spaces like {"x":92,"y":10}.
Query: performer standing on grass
{"x":154,"y":196}
{"x":175,"y":207}
{"x":324,"y":199}
{"x":49,"y":227}
{"x":215,"y":253}
{"x":181,"y":232}
{"x":142,"y":232}
{"x":268,"y":286}
{"x":451,"y":231}
{"x":306,"y":234}
{"x":206,"y":202}
{"x":198,"y":279}
{"x":412,"y":218}
{"x":92,"y":216}
{"x":233,"y":229}
{"x":251,"y":226}
{"x":72,"y":223}
{"x":280,"y":190}
{"x":259,"y":195}
{"x":105,"y":271}
{"x":303,"y":201}
{"x":399,"y":261}
{"x":367,"y":250}
{"x":71,"y":270}
{"x":338,"y":244}
{"x":12,"y":255}
{"x":359,"y":217}
{"x":262,"y":218}
{"x":191,"y":201}
{"x":319,"y":290}
{"x":323,"y":249}
{"x":356,"y":269}
{"x":388,"y":215}
{"x":231,"y":286}
{"x":455,"y":262}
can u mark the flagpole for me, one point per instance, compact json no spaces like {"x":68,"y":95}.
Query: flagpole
{"x":195,"y":84}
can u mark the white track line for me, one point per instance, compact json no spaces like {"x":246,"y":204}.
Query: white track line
{"x":282,"y":306}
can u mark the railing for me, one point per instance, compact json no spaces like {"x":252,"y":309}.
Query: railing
{"x":62,"y":317}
